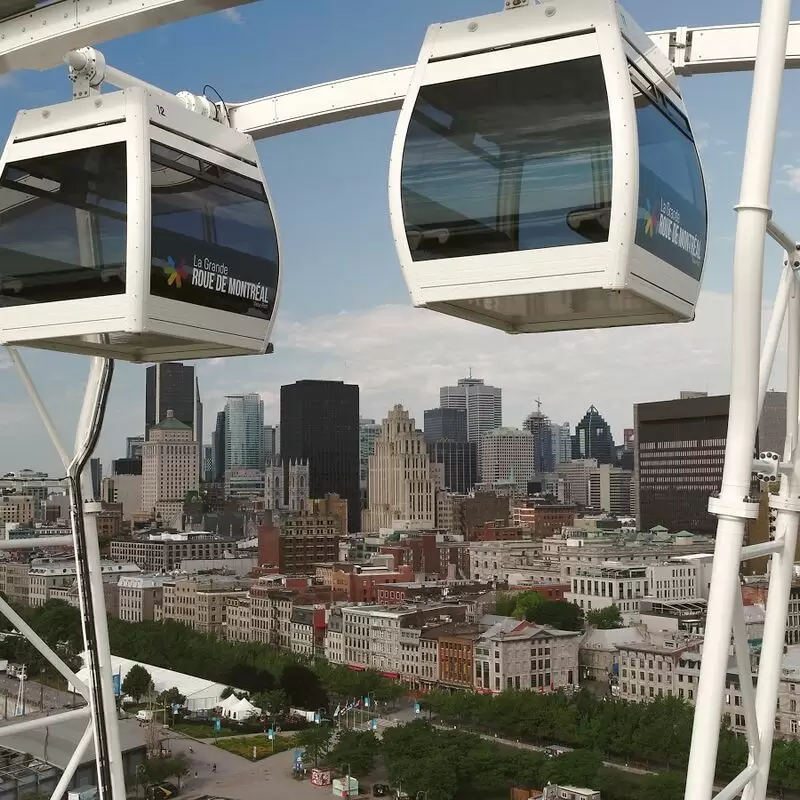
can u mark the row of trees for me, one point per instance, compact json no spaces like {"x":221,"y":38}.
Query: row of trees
{"x":259,"y":669}
{"x":454,"y":765}
{"x":657,"y":733}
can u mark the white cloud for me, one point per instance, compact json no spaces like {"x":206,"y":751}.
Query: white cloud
{"x":232,"y":15}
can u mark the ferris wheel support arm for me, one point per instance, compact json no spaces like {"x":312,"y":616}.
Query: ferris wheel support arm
{"x":693,"y":51}
{"x":734,"y":505}
{"x":39,"y":38}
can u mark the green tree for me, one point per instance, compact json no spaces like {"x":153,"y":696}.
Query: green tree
{"x":557,"y":613}
{"x":664,"y":786}
{"x":178,"y":767}
{"x":275,"y":702}
{"x":505,"y":604}
{"x":317,"y":742}
{"x":578,"y":768}
{"x":355,"y":750}
{"x":526,"y":603}
{"x":137,"y":682}
{"x":605,"y":618}
{"x":171,"y":697}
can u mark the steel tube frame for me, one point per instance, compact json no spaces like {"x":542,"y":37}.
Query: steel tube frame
{"x":44,"y":722}
{"x":73,"y":764}
{"x":734,"y":506}
{"x":100,"y":692}
{"x":780,"y":580}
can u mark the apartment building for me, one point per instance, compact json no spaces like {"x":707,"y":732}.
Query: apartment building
{"x":594,"y":588}
{"x":494,"y":561}
{"x":662,"y":666}
{"x":302,"y":540}
{"x":522,"y":655}
{"x":17,"y":508}
{"x":542,"y":519}
{"x":372,"y":634}
{"x":163,"y":551}
{"x":270,"y":614}
{"x":200,"y":601}
{"x":15,"y":582}
{"x":307,"y":630}
{"x":139,"y":595}
{"x":334,"y":635}
{"x":46,"y":575}
{"x":628,"y":549}
{"x":455,"y":653}
{"x":238,"y":619}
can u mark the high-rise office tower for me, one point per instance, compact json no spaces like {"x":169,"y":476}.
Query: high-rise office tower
{"x":170,"y":467}
{"x":173,"y":386}
{"x":541,"y":429}
{"x":133,"y":447}
{"x":593,"y":438}
{"x":401,"y":483}
{"x":207,"y":465}
{"x":320,"y":424}
{"x":96,"y":473}
{"x":483,"y":405}
{"x":506,"y":454}
{"x":680,"y":453}
{"x":562,"y":442}
{"x":459,"y":462}
{"x":272,"y":442}
{"x":244,"y":432}
{"x":218,"y":447}
{"x":368,"y":432}
{"x":445,"y":423}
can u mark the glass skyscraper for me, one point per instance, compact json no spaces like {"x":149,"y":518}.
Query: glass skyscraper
{"x":244,"y":432}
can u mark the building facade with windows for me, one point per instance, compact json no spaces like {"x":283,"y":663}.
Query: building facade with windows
{"x":525,"y":656}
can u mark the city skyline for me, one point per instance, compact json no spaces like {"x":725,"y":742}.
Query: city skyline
{"x":345,"y":313}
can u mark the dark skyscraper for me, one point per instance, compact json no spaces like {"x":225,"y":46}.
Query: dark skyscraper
{"x":218,"y":447}
{"x":679,"y":450}
{"x":593,"y":438}
{"x":320,"y":424}
{"x":173,"y":386}
{"x":542,"y":429}
{"x":445,"y":423}
{"x":460,"y":460}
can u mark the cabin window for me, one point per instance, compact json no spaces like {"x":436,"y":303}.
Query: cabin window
{"x":513,"y":161}
{"x":213,"y":236}
{"x":79,"y":198}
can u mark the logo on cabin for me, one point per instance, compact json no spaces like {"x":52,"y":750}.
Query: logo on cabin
{"x":650,"y":219}
{"x":176,"y":273}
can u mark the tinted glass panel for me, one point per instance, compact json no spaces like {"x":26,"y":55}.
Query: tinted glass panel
{"x":214,"y":242}
{"x":672,"y":222}
{"x":515,"y":161}
{"x":62,"y":226}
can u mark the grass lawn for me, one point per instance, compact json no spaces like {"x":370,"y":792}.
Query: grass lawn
{"x":243,"y":746}
{"x":203,"y":731}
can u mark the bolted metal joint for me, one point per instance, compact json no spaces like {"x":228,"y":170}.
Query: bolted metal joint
{"x":767,"y":467}
{"x":87,"y":69}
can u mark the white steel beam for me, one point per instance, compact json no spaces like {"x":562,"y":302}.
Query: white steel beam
{"x":693,"y":51}
{"x":40,"y":38}
{"x":36,"y":541}
{"x":44,"y":722}
{"x":335,"y":101}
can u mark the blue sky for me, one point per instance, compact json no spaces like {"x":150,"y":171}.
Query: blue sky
{"x":345,"y":311}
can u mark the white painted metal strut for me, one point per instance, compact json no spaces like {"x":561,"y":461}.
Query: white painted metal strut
{"x":693,"y":51}
{"x":39,"y":38}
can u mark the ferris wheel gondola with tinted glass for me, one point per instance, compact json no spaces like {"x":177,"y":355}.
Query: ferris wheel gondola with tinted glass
{"x":544,"y":175}
{"x":134,"y":228}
